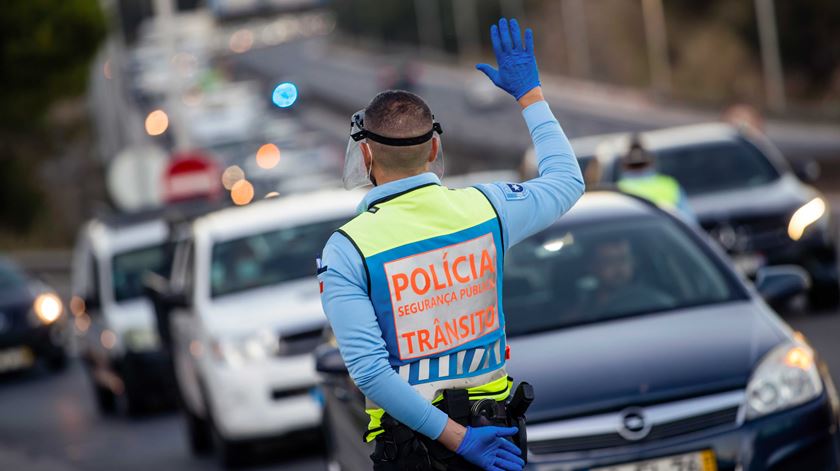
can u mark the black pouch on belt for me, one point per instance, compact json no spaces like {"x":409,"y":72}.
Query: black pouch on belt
{"x":398,"y":448}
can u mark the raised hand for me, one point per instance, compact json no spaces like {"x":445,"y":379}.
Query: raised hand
{"x":517,"y":73}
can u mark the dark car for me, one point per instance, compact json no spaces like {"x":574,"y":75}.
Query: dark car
{"x":32,"y":321}
{"x":646,"y":350}
{"x":746,"y":195}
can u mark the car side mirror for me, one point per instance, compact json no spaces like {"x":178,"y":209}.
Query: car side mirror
{"x":778,"y":284}
{"x":92,"y":302}
{"x":328,"y":360}
{"x":159,"y":292}
{"x":807,"y":170}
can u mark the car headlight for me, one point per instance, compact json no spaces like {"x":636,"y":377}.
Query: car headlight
{"x":808,"y":214}
{"x":785,"y":377}
{"x":48,"y":307}
{"x":141,"y":340}
{"x":236,"y":352}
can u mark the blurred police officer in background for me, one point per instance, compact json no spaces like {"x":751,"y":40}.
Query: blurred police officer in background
{"x":639,"y":177}
{"x":411,"y":286}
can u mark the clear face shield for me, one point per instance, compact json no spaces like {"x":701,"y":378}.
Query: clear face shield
{"x":357,"y":174}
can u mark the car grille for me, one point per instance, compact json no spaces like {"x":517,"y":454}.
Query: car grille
{"x":750,"y":233}
{"x":665,"y":421}
{"x":657,"y":432}
{"x":299,"y":343}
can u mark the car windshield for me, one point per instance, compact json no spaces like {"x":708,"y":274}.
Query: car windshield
{"x":268,"y":258}
{"x":10,"y":277}
{"x":607,"y":270}
{"x":128,"y":269}
{"x":717,"y":167}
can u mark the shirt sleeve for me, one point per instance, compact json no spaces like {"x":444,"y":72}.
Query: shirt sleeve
{"x":527,"y":208}
{"x":351,"y":315}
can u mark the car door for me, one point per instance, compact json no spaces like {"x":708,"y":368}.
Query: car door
{"x":184,"y":327}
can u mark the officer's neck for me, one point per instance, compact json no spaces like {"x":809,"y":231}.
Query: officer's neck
{"x":383,"y":177}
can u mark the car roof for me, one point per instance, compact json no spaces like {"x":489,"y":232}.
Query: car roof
{"x":667,"y":138}
{"x":606,"y":204}
{"x":278,"y":212}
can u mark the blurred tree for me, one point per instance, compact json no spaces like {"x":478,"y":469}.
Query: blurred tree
{"x":45,"y":51}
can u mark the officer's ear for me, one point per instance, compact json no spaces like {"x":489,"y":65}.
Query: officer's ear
{"x":433,"y":151}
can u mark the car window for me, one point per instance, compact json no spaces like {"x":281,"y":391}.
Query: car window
{"x":606,"y":270}
{"x":10,"y":277}
{"x":268,"y":258}
{"x":128,"y":268}
{"x":716,"y":167}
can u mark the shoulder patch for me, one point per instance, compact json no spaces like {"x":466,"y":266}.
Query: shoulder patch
{"x":373,"y":209}
{"x":515,"y":191}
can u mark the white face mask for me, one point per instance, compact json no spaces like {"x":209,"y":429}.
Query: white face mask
{"x":357,"y":174}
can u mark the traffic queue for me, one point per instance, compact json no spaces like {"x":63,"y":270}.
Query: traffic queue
{"x":625,"y":297}
{"x":640,"y":326}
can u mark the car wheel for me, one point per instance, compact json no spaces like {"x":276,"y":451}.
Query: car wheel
{"x":199,"y":433}
{"x":134,"y":401}
{"x":106,"y":402}
{"x":231,"y":454}
{"x":824,"y":297}
{"x":56,"y":361}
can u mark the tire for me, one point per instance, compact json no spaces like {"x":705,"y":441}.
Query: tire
{"x":824,"y":297}
{"x":134,"y":401}
{"x":57,"y":361}
{"x":231,"y":454}
{"x":199,"y":433}
{"x":106,"y":402}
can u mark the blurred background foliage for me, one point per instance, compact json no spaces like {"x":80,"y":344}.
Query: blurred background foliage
{"x":713,"y":45}
{"x":45,"y":51}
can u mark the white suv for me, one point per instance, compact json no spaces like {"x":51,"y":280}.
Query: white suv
{"x":117,"y":338}
{"x":245,"y":316}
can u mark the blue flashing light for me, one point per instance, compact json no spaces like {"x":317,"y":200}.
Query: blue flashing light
{"x":285,"y":95}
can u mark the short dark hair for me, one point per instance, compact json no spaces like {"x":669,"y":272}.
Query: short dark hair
{"x":399,"y":114}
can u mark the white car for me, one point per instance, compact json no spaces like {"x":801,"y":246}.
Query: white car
{"x":118,"y":341}
{"x":248,"y":318}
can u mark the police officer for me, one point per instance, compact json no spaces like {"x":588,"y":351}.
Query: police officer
{"x":639,"y":177}
{"x":411,"y":286}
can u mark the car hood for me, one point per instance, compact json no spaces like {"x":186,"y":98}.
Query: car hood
{"x":286,"y":308}
{"x":780,"y":197}
{"x":645,"y":359}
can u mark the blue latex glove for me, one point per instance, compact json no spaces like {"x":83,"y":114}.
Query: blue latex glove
{"x":487,"y":448}
{"x":517,"y":72}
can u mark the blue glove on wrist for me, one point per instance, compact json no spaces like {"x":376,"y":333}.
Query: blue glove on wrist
{"x":487,"y":448}
{"x":517,"y":72}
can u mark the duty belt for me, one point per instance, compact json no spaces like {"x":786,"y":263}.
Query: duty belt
{"x":399,"y":448}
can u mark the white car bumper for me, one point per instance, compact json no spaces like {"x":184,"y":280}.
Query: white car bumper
{"x":266,"y":399}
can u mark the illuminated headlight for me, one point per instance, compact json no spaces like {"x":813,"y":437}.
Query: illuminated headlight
{"x":47,"y":308}
{"x":786,"y":377}
{"x":141,"y":340}
{"x":808,"y":214}
{"x":236,"y":352}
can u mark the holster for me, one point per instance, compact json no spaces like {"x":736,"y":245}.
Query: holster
{"x":400,"y":448}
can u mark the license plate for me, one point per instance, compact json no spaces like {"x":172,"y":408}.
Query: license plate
{"x":748,"y":264}
{"x":15,"y":359}
{"x":698,"y":461}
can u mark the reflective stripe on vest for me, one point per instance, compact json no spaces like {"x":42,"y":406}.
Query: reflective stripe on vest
{"x":434,"y":261}
{"x":660,"y":189}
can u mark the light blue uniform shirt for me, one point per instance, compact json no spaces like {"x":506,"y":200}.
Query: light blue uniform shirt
{"x":524,"y":209}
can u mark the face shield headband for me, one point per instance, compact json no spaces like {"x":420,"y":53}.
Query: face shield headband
{"x":357,"y":174}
